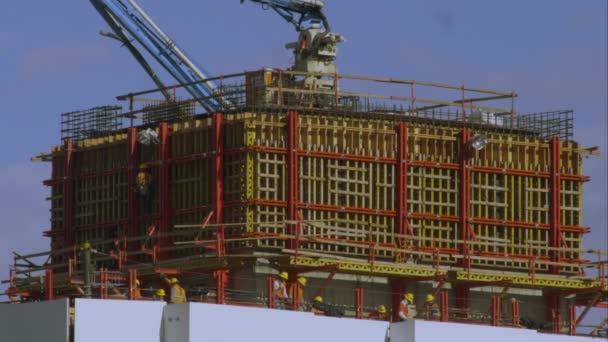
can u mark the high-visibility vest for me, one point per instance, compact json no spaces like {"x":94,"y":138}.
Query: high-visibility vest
{"x":300,"y":293}
{"x":280,"y":289}
{"x":404,"y":309}
{"x":178,"y":294}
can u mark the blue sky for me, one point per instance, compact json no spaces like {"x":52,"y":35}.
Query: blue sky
{"x":552,"y":52}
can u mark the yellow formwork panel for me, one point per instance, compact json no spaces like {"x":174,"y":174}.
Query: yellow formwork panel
{"x":348,"y":192}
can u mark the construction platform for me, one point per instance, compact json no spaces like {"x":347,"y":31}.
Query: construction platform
{"x":397,"y":185}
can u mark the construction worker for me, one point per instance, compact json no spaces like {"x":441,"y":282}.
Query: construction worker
{"x":296,"y":291}
{"x":160,"y":295}
{"x":379,"y":314}
{"x":315,"y":309}
{"x":432,"y":311}
{"x":136,"y":290}
{"x":407,"y":310}
{"x":178,"y":294}
{"x":280,"y":290}
{"x":320,"y":308}
{"x":143,"y":187}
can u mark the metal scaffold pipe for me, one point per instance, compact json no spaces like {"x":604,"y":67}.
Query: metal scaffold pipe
{"x":86,"y":250}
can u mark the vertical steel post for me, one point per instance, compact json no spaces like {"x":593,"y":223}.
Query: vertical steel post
{"x":132,"y":283}
{"x":132,"y":207}
{"x":86,"y":261}
{"x":464,"y":114}
{"x":572,"y":320}
{"x":68,"y":193}
{"x":465,"y":195}
{"x":292,"y":174}
{"x":218,"y":167}
{"x":272,"y":303}
{"x":402,"y":174}
{"x":103,"y":280}
{"x":496,"y":311}
{"x":48,"y":285}
{"x":554,"y":311}
{"x":462,"y":301}
{"x":398,"y":288}
{"x":555,"y":193}
{"x":163,"y":193}
{"x":359,"y":300}
{"x":445,"y":306}
{"x":296,"y":299}
{"x":515,"y":312}
{"x":221,"y":278}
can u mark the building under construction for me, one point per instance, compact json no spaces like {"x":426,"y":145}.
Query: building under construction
{"x":369,"y":191}
{"x":369,"y":187}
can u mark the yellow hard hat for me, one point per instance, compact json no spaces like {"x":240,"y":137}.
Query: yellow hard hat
{"x":319,"y":299}
{"x":161,"y":293}
{"x":143,"y":166}
{"x":137,"y":282}
{"x":382,"y":309}
{"x":409,"y":297}
{"x":174,"y":281}
{"x":302,"y":281}
{"x":430,"y":298}
{"x":284,"y":275}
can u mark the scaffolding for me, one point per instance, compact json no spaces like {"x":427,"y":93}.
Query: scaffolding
{"x":90,"y":123}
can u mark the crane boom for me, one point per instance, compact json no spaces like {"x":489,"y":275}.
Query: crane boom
{"x":127,"y":19}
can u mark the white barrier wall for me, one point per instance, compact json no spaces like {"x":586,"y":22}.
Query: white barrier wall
{"x":425,"y":331}
{"x":223,"y":323}
{"x":117,"y":321}
{"x":40,"y":321}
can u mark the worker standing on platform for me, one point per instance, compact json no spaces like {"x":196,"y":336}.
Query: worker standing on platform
{"x":432,"y":311}
{"x":407,"y":310}
{"x":136,"y":290}
{"x":143,"y":187}
{"x":280,"y":290}
{"x":178,"y":294}
{"x":379,"y":314}
{"x":296,"y":291}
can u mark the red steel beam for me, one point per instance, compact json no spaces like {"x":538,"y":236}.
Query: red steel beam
{"x":555,"y":206}
{"x":464,"y":194}
{"x":554,"y":311}
{"x":270,"y":289}
{"x":515,"y":310}
{"x":163,"y":193}
{"x":572,"y":320}
{"x":48,"y":285}
{"x":398,"y":288}
{"x":221,"y":281}
{"x":68,"y":193}
{"x":402,"y":167}
{"x":292,"y":174}
{"x":462,"y":301}
{"x":132,"y":207}
{"x":496,"y":311}
{"x":359,"y":302}
{"x":218,"y":167}
{"x":445,"y":313}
